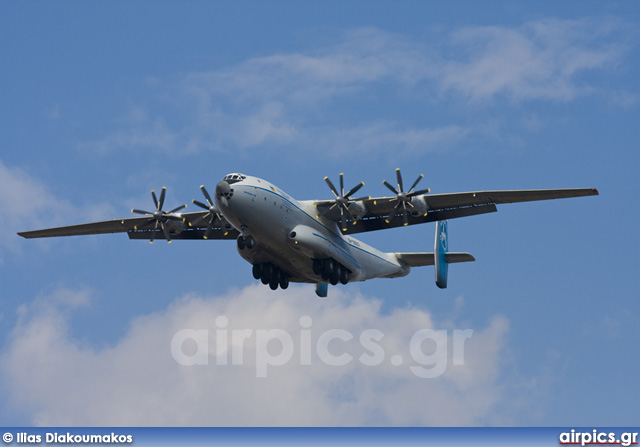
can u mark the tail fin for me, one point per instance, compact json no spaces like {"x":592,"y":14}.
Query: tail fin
{"x":440,"y":254}
{"x":440,"y":258}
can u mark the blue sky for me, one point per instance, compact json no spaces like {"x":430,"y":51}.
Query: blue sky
{"x":102,"y":102}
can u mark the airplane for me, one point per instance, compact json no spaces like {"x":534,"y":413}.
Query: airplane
{"x":309,"y":241}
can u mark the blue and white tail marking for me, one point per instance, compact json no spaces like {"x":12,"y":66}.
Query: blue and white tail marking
{"x":440,"y":249}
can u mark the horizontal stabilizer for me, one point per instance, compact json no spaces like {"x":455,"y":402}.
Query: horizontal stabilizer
{"x":453,"y":258}
{"x":422,"y":259}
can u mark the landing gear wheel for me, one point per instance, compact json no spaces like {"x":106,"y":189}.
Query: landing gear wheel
{"x":257,"y":271}
{"x":274,"y":281}
{"x":241,"y":243}
{"x":265,"y":274}
{"x":284,"y":281}
{"x":249,"y":242}
{"x":317,"y":266}
{"x":328,"y":266}
{"x":335,"y":276}
{"x":344,"y":276}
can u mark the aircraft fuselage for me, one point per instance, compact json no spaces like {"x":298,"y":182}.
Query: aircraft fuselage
{"x":290,"y":234}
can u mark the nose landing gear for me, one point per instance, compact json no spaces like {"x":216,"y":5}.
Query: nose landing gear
{"x":246,"y":242}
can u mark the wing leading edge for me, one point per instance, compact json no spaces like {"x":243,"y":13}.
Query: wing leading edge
{"x":104,"y":227}
{"x":437,"y":201}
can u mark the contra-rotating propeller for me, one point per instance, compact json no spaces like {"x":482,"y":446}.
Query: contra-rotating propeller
{"x":158,"y":216}
{"x":402,"y":198}
{"x":214,"y":213}
{"x":342,"y":199}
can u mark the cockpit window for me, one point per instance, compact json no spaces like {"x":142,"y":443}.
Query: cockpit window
{"x":233,"y":178}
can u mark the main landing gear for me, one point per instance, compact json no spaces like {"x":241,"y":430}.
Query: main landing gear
{"x":331,"y":270}
{"x":268,"y":273}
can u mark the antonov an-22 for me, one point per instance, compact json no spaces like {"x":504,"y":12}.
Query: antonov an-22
{"x":309,"y":241}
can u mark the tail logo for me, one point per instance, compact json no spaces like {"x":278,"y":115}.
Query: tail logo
{"x":443,"y":235}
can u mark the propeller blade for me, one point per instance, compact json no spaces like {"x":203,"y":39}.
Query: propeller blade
{"x":159,"y":216}
{"x":415,"y":183}
{"x":161,"y":201}
{"x":198,"y":221}
{"x":200,"y":204}
{"x":399,"y":177}
{"x":419,"y":192}
{"x":405,"y":214}
{"x":390,"y":187}
{"x":153,"y":233}
{"x":207,"y":196}
{"x":178,"y":208}
{"x":354,"y":189}
{"x":138,"y":227}
{"x":394,"y":214}
{"x":333,"y":188}
{"x":342,"y":200}
{"x":209,"y":229}
{"x":166,"y":232}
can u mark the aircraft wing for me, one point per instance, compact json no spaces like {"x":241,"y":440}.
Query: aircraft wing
{"x":438,"y":201}
{"x":104,"y":227}
{"x":188,"y":226}
{"x":379,"y":212}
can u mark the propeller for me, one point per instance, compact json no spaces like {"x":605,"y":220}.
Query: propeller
{"x":342,"y":199}
{"x":214,"y":213}
{"x":158,"y":216}
{"x":403,"y":198}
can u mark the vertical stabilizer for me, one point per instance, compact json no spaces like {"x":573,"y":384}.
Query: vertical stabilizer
{"x":440,"y":254}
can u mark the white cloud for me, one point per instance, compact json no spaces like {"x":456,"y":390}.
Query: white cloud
{"x":137,"y":128}
{"x":391,"y":138}
{"x":318,"y":99}
{"x":359,"y":58}
{"x":28,"y":203}
{"x":540,"y":60}
{"x":58,"y":380}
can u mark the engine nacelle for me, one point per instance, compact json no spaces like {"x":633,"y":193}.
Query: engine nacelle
{"x":357,"y":209}
{"x":420,"y":206}
{"x":175,"y":226}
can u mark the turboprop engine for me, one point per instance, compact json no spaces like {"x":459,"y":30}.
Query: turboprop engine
{"x":357,"y":209}
{"x":419,"y":206}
